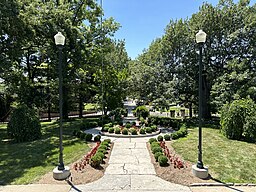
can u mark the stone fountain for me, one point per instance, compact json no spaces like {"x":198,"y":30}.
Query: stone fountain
{"x":129,"y":105}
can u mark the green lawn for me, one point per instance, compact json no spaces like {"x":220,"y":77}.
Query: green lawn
{"x":24,"y":163}
{"x":228,"y":160}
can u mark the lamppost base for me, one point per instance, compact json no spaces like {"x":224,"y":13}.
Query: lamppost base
{"x":61,"y":174}
{"x":200,"y":173}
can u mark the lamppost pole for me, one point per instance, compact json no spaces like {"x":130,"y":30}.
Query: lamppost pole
{"x":200,"y":161}
{"x":199,"y":170}
{"x":61,"y":164}
{"x":61,"y":172}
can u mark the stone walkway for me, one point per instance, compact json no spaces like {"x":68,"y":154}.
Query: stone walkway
{"x":130,"y":169}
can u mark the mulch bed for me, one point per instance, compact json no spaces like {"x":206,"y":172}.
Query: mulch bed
{"x":86,"y":175}
{"x":181,"y":176}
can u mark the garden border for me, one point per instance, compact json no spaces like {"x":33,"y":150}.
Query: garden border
{"x":130,"y":136}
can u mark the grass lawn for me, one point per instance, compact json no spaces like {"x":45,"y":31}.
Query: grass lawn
{"x":228,"y":160}
{"x":23,"y":163}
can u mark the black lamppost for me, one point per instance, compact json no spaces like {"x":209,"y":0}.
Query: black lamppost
{"x":199,"y":170}
{"x":61,"y":172}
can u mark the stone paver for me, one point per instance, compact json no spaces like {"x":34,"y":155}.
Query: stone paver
{"x":130,"y":169}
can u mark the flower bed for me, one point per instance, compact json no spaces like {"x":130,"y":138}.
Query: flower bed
{"x":94,"y":157}
{"x":162,"y":154}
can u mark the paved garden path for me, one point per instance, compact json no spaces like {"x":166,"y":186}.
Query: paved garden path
{"x":130,"y":170}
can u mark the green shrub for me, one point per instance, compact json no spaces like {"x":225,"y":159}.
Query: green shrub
{"x":117,"y":113}
{"x":111,"y":130}
{"x":78,"y":134}
{"x":117,"y":130}
{"x":92,"y":124}
{"x":97,"y":138}
{"x":105,"y":129}
{"x":88,"y":137}
{"x":157,"y":154}
{"x":156,"y":149}
{"x":133,"y":131}
{"x":24,"y":125}
{"x":182,"y":132}
{"x":151,"y":140}
{"x":75,"y":132}
{"x":250,"y":129}
{"x":142,"y":120}
{"x":96,"y":160}
{"x":162,"y":160}
{"x":160,"y":138}
{"x":107,"y":140}
{"x":100,"y":154}
{"x":148,"y":130}
{"x":142,"y":131}
{"x":104,"y":151}
{"x":103,"y":147}
{"x":82,"y":136}
{"x":234,"y":116}
{"x":104,"y":143}
{"x":153,"y":128}
{"x":167,"y":137}
{"x":141,"y":111}
{"x":165,"y":121}
{"x":125,"y":131}
{"x":108,"y":125}
{"x":128,"y":125}
{"x":154,"y":144}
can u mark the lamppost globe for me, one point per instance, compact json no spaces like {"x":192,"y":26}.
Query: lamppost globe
{"x":200,"y":36}
{"x":199,"y":170}
{"x":59,"y":39}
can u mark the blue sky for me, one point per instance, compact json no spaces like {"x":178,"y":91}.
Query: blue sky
{"x":142,"y":21}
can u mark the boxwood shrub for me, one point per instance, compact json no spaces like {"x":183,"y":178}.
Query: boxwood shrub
{"x":117,"y":130}
{"x":125,"y":131}
{"x":151,"y":140}
{"x":156,"y":149}
{"x":157,"y":154}
{"x":111,"y":130}
{"x":148,"y":130}
{"x":167,"y":137}
{"x":133,"y":131}
{"x":96,"y":160}
{"x":160,"y":138}
{"x":162,"y":159}
{"x":142,"y":131}
{"x":97,"y":138}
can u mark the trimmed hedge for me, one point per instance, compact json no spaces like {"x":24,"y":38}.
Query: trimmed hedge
{"x":182,"y":132}
{"x":165,"y":121}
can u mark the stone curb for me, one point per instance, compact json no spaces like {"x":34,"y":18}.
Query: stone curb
{"x":221,"y":184}
{"x":129,"y":136}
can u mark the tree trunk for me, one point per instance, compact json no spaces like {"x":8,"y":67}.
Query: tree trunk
{"x":190,"y":110}
{"x":80,"y":106}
